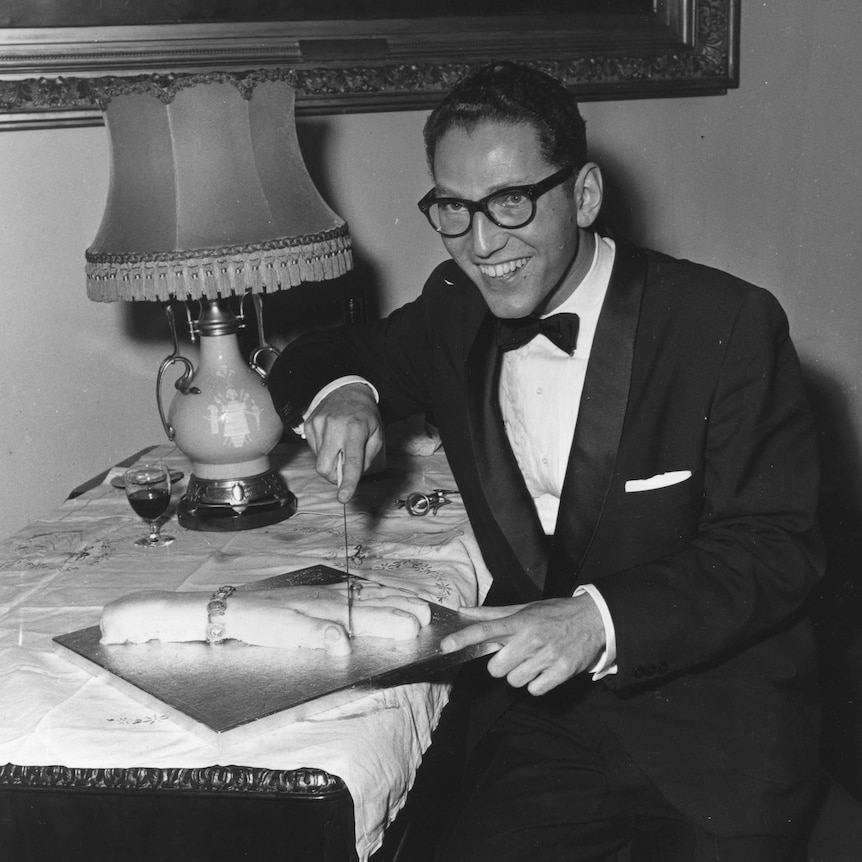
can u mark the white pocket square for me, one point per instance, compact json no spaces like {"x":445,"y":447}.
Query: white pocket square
{"x":660,"y":480}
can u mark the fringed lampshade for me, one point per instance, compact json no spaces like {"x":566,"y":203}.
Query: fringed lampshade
{"x":209,"y":198}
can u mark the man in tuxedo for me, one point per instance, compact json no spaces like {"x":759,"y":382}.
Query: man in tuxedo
{"x":632,"y":443}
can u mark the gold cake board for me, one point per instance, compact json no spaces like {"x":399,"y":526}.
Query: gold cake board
{"x":236,"y":691}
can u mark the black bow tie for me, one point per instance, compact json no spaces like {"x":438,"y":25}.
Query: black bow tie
{"x":559,"y":329}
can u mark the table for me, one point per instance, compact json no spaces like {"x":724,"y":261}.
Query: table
{"x":72,"y":738}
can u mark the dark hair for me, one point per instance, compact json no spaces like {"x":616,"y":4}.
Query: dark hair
{"x":506,"y":92}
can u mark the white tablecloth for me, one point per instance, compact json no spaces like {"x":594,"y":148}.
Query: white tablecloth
{"x":57,"y":573}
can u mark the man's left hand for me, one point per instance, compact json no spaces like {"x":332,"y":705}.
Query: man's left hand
{"x":539,"y":645}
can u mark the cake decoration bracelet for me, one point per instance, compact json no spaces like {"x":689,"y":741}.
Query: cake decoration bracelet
{"x":216,"y":607}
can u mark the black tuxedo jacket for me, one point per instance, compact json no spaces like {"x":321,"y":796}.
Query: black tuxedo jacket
{"x":706,"y":579}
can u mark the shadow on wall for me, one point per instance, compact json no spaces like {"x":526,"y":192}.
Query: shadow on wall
{"x":623,"y":208}
{"x":836,"y":606}
{"x":840,"y":452}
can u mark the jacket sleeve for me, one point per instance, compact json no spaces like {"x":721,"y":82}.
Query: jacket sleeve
{"x":391,"y":353}
{"x":756,"y":553}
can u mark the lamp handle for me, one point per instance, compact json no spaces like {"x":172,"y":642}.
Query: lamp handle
{"x":183,"y":384}
{"x":255,"y":366}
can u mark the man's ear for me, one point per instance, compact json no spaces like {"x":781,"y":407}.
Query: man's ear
{"x":589,"y":189}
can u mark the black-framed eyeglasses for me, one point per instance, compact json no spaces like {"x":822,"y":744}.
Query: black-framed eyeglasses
{"x":512,"y":207}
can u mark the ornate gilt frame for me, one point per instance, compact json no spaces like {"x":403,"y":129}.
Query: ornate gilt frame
{"x":61,"y":76}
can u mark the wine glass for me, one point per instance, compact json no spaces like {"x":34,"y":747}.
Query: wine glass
{"x":148,"y":489}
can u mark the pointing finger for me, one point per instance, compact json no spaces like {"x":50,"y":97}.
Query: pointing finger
{"x":489,"y":633}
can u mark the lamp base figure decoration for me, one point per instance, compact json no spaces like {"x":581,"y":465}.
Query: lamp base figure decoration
{"x":210,"y":203}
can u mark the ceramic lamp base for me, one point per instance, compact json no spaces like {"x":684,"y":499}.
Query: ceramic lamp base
{"x":220,"y":505}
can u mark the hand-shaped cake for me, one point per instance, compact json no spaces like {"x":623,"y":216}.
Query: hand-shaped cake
{"x":309,"y":617}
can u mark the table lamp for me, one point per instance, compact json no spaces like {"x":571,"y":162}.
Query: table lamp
{"x":210,"y":204}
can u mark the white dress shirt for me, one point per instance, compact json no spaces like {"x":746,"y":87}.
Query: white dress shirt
{"x":540,"y":397}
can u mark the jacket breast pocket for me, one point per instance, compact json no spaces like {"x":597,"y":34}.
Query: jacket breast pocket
{"x":638,"y":526}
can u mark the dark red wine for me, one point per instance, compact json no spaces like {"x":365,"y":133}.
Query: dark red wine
{"x":149,"y":503}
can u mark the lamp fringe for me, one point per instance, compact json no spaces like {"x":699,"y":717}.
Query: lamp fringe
{"x":213,"y":273}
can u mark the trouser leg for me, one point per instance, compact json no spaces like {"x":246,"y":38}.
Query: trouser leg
{"x":530,"y":794}
{"x":545,"y":790}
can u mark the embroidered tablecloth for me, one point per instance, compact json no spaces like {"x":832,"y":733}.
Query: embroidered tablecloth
{"x":58,"y":572}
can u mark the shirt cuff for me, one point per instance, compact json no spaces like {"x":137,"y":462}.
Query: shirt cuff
{"x":327,"y":390}
{"x":607,"y":663}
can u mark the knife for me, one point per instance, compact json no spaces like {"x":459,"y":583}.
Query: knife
{"x":339,"y":475}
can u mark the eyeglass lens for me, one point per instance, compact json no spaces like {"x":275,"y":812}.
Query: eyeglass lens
{"x":508,"y":209}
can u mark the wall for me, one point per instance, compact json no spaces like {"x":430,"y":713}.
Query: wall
{"x":763,"y":182}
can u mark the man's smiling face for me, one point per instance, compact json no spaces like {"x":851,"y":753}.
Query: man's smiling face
{"x":525,"y":270}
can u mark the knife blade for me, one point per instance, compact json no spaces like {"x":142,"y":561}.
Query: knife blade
{"x":339,"y":475}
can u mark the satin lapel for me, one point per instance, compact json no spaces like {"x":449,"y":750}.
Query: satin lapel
{"x":600,"y":422}
{"x":505,"y":491}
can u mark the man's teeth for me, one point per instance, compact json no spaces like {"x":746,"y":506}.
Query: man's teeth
{"x":500,"y":269}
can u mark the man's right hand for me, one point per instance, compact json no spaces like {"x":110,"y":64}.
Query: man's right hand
{"x":348,"y":421}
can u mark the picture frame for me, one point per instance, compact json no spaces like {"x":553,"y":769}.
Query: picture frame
{"x":55,"y":74}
